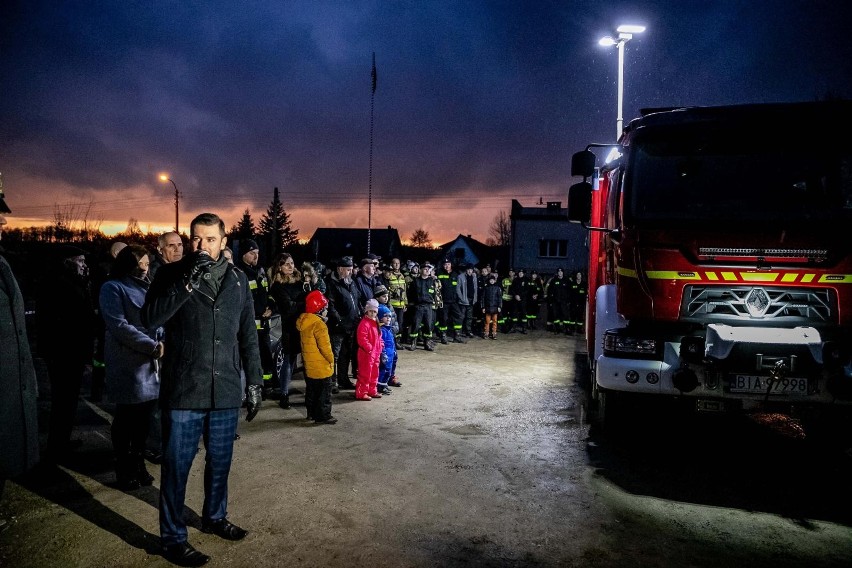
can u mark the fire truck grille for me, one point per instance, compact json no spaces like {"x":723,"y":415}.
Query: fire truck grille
{"x":793,"y":306}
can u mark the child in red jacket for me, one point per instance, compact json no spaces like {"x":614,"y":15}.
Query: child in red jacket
{"x":370,"y":346}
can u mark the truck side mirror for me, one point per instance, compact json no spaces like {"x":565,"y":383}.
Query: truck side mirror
{"x":580,"y":202}
{"x":583,"y":164}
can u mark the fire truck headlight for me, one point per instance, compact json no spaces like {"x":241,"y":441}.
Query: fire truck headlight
{"x":617,"y":343}
{"x":632,"y":377}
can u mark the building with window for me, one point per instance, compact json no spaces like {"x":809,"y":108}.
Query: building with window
{"x":544,"y":239}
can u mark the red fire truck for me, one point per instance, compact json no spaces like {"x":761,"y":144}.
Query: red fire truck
{"x":720,"y":258}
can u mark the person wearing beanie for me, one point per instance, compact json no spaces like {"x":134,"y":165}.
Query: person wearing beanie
{"x":492,"y":305}
{"x":388,"y":358}
{"x":317,"y":357}
{"x":369,"y":341}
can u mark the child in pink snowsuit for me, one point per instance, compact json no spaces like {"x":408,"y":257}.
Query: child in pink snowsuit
{"x":369,"y":340}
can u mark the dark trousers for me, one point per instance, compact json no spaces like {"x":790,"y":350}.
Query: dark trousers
{"x":318,"y":398}
{"x":423,"y":314}
{"x":66,"y":379}
{"x":343,"y":348}
{"x":466,"y":318}
{"x":182,"y":430}
{"x":130,"y":427}
{"x":453,"y":318}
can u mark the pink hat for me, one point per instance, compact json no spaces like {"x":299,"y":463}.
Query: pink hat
{"x":372,"y":305}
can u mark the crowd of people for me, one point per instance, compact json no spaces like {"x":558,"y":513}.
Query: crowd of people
{"x":187,"y":338}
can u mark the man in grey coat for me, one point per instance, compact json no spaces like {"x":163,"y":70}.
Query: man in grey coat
{"x":18,"y":387}
{"x":205,"y":306}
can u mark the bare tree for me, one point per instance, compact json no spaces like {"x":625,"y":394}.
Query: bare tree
{"x":133,"y":232}
{"x":72,"y":220}
{"x":420,"y":238}
{"x":500,"y":231}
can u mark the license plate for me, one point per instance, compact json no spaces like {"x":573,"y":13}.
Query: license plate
{"x":760,"y":385}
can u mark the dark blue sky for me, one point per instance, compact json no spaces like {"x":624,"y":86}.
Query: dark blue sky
{"x":478,"y":102}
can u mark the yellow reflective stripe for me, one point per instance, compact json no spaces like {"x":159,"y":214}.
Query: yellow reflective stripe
{"x":257,"y":324}
{"x":253,"y":284}
{"x":836,"y":278}
{"x":738,"y":276}
{"x":672,"y":275}
{"x":759,"y":276}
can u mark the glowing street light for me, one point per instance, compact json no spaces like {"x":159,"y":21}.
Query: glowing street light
{"x":625,"y":34}
{"x":165,"y":178}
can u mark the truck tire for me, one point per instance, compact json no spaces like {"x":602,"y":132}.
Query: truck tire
{"x":607,"y":414}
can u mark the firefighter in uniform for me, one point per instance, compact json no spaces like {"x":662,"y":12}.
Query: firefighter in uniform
{"x":259,"y":286}
{"x":395,"y":282}
{"x":422,"y":296}
{"x":505,"y":321}
{"x":557,"y":302}
{"x":576,"y":304}
{"x":533,"y":302}
{"x":448,"y":311}
{"x":518,"y":314}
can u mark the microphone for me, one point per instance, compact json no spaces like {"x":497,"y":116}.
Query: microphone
{"x":205,"y":271}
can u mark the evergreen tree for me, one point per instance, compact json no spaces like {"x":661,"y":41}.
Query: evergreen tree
{"x":244,"y":229}
{"x":275,"y":227}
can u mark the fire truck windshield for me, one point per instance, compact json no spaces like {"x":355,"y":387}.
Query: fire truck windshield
{"x":707,"y":172}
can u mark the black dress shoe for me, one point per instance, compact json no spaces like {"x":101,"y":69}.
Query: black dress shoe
{"x":346,"y":386}
{"x":153,"y":456}
{"x":183,"y":554}
{"x":224,"y":528}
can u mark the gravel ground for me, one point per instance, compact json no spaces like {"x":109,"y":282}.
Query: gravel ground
{"x":483,"y":458}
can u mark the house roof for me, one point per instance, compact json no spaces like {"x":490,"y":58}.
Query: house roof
{"x":484,"y":253}
{"x":553,"y":211}
{"x":334,"y":243}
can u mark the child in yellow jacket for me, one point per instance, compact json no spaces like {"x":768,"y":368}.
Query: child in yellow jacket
{"x":317,"y":358}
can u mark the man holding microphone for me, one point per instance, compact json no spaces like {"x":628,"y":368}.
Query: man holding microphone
{"x":205,"y":305}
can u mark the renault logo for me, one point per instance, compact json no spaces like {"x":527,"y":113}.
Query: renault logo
{"x":757,"y":302}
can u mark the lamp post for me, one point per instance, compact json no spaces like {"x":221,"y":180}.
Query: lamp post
{"x":625,"y":34}
{"x":164,"y":178}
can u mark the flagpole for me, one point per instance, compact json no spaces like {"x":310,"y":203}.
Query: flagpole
{"x":370,"y":175}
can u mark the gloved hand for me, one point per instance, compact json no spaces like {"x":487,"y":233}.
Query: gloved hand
{"x":253,"y":402}
{"x":200,"y":261}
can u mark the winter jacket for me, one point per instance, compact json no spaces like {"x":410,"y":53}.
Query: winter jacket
{"x":389,"y":349}
{"x":289,"y":301}
{"x":467,"y":289}
{"x":131,"y":370}
{"x":421,"y":292}
{"x":492,"y":298}
{"x":18,"y":406}
{"x":343,"y":305}
{"x":396,"y":290}
{"x":209,"y":340}
{"x":369,"y":340}
{"x":365,"y":288}
{"x":258,"y":285}
{"x":65,"y":317}
{"x":316,"y":347}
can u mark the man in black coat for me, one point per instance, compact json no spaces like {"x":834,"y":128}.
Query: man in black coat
{"x":65,"y":319}
{"x":205,"y":305}
{"x":18,"y":387}
{"x":344,"y":313}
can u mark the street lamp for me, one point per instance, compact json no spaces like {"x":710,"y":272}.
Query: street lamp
{"x":625,"y":34}
{"x":165,"y":178}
